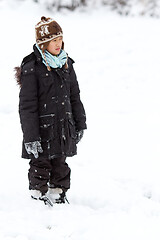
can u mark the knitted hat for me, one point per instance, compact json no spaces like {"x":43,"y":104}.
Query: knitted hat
{"x":46,"y":30}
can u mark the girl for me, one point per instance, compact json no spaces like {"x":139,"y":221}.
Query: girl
{"x":52,"y":115}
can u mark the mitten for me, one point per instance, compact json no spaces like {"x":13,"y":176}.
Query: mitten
{"x":79,"y":135}
{"x":34,"y":148}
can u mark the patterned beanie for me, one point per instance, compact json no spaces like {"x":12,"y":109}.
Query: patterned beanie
{"x":46,"y":30}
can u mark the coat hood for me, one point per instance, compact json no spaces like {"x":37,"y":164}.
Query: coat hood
{"x":18,"y":70}
{"x":17,"y":75}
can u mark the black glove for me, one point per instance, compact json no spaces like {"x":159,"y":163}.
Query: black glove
{"x":34,"y":148}
{"x":79,"y":135}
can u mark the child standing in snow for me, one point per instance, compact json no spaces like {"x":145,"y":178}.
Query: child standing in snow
{"x":51,"y":113}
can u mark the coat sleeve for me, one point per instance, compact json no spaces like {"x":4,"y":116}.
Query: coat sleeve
{"x":28,"y":104}
{"x":78,"y":110}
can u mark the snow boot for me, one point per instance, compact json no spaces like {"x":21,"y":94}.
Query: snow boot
{"x":57,"y":195}
{"x":37,"y":195}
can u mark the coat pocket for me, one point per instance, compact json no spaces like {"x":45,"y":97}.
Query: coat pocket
{"x":72,"y":131}
{"x":47,"y":127}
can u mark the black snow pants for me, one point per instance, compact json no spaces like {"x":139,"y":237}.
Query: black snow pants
{"x":54,"y":172}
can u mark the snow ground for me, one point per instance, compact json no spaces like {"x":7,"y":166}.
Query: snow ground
{"x":115,"y":191}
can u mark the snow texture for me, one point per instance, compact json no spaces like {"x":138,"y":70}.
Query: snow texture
{"x":115,"y":184}
{"x":122,"y":7}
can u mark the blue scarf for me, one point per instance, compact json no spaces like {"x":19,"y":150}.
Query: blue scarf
{"x":53,"y":61}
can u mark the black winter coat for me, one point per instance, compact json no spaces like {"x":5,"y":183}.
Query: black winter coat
{"x":50,"y":107}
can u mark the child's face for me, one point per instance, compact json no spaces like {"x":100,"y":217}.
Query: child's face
{"x":55,"y":45}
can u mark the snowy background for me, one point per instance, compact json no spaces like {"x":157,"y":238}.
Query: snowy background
{"x":115,"y":185}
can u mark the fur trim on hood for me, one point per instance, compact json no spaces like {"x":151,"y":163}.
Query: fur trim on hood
{"x":17,"y":75}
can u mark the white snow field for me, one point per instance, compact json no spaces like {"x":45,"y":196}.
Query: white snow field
{"x":115,"y":184}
